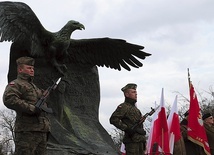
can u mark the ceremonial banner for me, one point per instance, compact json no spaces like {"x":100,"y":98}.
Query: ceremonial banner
{"x":196,"y":131}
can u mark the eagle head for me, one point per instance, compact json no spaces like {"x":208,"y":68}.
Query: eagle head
{"x":68,"y":29}
{"x":74,"y":25}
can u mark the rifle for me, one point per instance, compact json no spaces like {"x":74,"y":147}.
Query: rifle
{"x":154,"y":148}
{"x":41,"y":101}
{"x":144,"y":117}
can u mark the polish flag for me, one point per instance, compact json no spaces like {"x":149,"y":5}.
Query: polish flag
{"x":158,"y":141}
{"x":122,"y":149}
{"x":174,"y":126}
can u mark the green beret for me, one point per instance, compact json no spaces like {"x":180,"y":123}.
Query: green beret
{"x":26,"y":61}
{"x":206,"y":115}
{"x":129,"y":86}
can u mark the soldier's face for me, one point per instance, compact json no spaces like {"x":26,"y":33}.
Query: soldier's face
{"x":26,"y":69}
{"x":209,"y":120}
{"x":132,"y":93}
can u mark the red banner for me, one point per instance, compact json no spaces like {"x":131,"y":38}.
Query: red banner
{"x":196,"y":131}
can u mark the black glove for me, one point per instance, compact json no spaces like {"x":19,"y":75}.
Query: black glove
{"x":141,"y":131}
{"x":38,"y":110}
{"x":130,"y":131}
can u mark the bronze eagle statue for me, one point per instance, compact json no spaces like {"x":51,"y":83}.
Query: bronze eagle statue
{"x":19,"y":24}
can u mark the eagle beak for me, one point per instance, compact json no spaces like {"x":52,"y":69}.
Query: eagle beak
{"x":82,"y":27}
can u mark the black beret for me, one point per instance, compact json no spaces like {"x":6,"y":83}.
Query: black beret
{"x":206,"y":115}
{"x":129,"y":86}
{"x":26,"y":61}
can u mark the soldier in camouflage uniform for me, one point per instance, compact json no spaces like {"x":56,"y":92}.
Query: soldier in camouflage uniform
{"x":31,"y":125}
{"x":179,"y":147}
{"x":209,"y":128}
{"x":191,"y":148}
{"x":125,"y":116}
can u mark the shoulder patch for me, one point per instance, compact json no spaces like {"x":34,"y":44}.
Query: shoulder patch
{"x":12,"y":83}
{"x":119,"y":106}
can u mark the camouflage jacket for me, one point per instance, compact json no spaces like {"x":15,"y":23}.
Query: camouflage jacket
{"x":179,"y":147}
{"x":124,"y":117}
{"x":210,"y":136}
{"x":191,"y":148}
{"x":21,"y":95}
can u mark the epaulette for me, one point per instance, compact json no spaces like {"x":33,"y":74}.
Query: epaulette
{"x":120,"y":106}
{"x":12,"y":83}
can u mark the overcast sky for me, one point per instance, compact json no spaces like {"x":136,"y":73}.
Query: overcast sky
{"x":179,"y":35}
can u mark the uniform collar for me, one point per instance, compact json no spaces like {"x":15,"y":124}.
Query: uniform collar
{"x":131,"y":101}
{"x":25,"y":76}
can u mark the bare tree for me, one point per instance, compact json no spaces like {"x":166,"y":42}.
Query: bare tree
{"x":117,"y":137}
{"x":7,"y":120}
{"x":205,"y":99}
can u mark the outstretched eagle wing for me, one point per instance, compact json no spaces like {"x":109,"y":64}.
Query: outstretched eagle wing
{"x":18,"y":23}
{"x":108,"y":52}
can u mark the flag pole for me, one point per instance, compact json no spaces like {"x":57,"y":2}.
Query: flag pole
{"x":162,"y":140}
{"x":193,"y":125}
{"x":189,"y":78}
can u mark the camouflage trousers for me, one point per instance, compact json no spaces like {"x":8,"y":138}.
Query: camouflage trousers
{"x":135,"y":148}
{"x":31,"y":143}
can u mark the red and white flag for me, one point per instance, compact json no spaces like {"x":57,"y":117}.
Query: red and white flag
{"x":122,"y":149}
{"x":149,"y":141}
{"x":196,"y":131}
{"x":158,"y":141}
{"x":174,"y":126}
